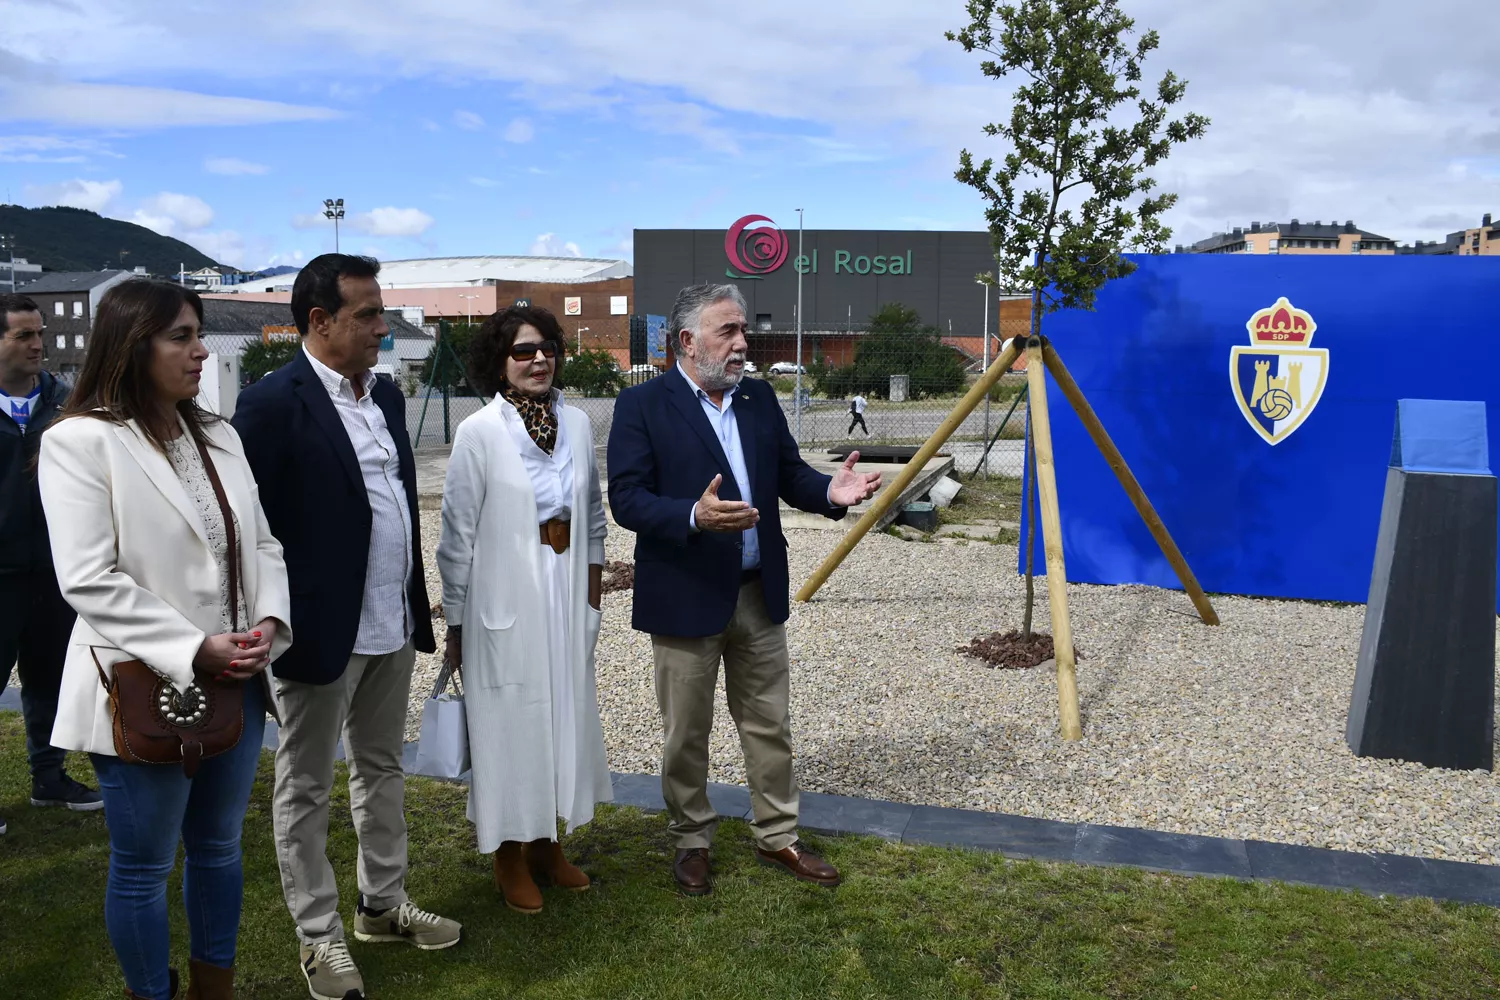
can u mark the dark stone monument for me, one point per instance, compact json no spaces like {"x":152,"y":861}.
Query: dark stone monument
{"x":1424,"y":690}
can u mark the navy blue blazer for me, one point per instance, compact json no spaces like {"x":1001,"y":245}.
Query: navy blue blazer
{"x":662,"y":455}
{"x":314,"y":498}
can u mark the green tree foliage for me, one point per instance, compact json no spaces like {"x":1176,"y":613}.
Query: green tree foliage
{"x":592,"y":373}
{"x":1073,"y":192}
{"x":898,"y":343}
{"x":259,"y":359}
{"x":1073,"y":136}
{"x":452,"y":377}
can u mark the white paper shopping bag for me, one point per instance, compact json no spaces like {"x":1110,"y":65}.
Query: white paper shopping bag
{"x":443,"y":748}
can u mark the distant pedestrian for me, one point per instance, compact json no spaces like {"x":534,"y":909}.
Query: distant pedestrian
{"x":35,"y":621}
{"x":328,"y":443}
{"x":857,"y":415}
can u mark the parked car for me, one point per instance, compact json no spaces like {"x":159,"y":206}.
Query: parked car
{"x":750,"y":368}
{"x":787,"y":368}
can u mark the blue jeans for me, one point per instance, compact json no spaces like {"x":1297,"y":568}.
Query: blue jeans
{"x":147,"y":807}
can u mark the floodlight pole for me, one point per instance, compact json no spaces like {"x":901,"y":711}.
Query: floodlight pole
{"x":797,"y":404}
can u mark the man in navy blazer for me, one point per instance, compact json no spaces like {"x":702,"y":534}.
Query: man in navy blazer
{"x":327,"y":442}
{"x":697,"y":461}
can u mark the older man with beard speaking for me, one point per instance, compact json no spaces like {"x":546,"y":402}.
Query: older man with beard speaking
{"x":697,"y":459}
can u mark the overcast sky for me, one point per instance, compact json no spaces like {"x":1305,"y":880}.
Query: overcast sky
{"x":491,"y":126}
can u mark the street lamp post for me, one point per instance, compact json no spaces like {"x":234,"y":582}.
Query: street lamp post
{"x":581,"y":331}
{"x":333,"y":208}
{"x":798,"y":404}
{"x":471,"y":299}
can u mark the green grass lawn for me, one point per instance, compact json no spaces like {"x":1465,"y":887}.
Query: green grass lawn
{"x":908,"y":922}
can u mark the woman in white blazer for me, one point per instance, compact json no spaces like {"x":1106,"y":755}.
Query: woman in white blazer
{"x":521,"y":555}
{"x":140,"y":547}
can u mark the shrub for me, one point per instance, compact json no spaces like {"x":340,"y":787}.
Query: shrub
{"x":592,"y":372}
{"x":897,"y":344}
{"x":260,"y":359}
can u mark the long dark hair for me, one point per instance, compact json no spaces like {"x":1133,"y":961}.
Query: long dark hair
{"x":115,"y":382}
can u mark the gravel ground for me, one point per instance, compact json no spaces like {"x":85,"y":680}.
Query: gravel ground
{"x":1234,"y":731}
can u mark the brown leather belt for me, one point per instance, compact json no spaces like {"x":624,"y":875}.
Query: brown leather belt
{"x":557,"y":533}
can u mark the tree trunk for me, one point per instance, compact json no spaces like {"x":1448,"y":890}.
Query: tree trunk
{"x":1031,"y":487}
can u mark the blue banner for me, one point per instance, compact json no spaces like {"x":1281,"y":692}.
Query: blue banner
{"x":1254,"y":397}
{"x":656,"y":338}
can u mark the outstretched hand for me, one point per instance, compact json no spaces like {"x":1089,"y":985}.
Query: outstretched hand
{"x":850,"y":487}
{"x":713,"y":514}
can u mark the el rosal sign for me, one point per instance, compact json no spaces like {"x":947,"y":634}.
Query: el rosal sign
{"x":755,"y":250}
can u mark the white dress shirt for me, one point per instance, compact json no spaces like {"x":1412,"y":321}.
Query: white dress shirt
{"x":727,"y":429}
{"x":381,"y":628}
{"x":551,"y":475}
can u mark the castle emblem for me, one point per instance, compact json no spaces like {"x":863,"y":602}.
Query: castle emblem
{"x":1279,"y":378}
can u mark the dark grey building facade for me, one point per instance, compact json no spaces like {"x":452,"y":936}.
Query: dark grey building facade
{"x":847,"y":274}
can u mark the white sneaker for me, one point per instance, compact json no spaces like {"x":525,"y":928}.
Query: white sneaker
{"x":331,"y":972}
{"x":427,"y":931}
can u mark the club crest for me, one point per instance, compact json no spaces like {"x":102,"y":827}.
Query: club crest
{"x":1279,"y":378}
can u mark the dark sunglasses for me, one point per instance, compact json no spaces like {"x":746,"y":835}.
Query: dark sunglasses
{"x":525,"y":352}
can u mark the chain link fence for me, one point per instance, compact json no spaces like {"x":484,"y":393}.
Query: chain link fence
{"x":860,"y":387}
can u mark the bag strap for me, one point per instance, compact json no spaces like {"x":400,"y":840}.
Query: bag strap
{"x":228,"y":515}
{"x":99,"y":667}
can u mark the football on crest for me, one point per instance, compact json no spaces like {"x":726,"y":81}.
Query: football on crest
{"x":1276,"y":404}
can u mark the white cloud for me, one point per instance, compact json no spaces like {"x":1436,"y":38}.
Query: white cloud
{"x":519,"y":130}
{"x":50,"y":149}
{"x":310,"y":220}
{"x":428,"y":125}
{"x":484,"y":182}
{"x":112,"y":106}
{"x":170,"y":214}
{"x":95,"y":196}
{"x":468,"y":121}
{"x":231,"y":167}
{"x":392,"y":222}
{"x":549,"y":245}
{"x":226,"y":246}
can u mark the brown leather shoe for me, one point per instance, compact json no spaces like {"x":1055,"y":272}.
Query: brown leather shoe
{"x":690,"y":869}
{"x":802,"y":863}
{"x":513,"y":879}
{"x":209,"y":982}
{"x":550,"y":867}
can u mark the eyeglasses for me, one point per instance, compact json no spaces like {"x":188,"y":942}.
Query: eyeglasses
{"x":526,"y":352}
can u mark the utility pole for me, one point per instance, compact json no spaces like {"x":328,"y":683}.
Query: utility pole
{"x":985,"y":329}
{"x":797,"y":405}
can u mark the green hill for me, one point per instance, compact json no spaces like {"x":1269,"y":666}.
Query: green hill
{"x":72,"y":239}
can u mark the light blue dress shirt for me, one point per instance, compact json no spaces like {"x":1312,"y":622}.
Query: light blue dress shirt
{"x":721,"y":419}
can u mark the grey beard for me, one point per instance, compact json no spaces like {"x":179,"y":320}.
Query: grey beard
{"x":713,"y":375}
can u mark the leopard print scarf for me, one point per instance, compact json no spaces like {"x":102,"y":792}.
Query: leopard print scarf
{"x":537,"y":415}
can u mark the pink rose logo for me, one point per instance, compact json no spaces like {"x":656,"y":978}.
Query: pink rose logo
{"x":754,"y":251}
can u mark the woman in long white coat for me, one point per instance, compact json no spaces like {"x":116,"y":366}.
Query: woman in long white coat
{"x":522,"y":555}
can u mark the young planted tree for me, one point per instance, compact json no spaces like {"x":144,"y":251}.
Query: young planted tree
{"x":1074,"y":192}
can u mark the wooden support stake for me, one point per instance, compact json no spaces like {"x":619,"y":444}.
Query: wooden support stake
{"x":888,"y":496}
{"x":1057,"y":576}
{"x":1132,"y":487}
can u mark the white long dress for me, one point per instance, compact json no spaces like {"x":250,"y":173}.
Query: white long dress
{"x":535,"y":740}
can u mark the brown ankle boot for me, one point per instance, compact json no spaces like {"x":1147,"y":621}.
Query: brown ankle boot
{"x":209,"y":982}
{"x":514,"y":881}
{"x":171,"y":972}
{"x":550,"y":867}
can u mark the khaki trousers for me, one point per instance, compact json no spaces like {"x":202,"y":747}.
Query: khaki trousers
{"x":367,"y":705}
{"x":757,"y":687}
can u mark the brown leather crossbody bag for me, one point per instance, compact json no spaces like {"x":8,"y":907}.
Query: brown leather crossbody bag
{"x":154,"y":723}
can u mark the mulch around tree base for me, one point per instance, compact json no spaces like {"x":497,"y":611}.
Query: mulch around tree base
{"x":618,"y":575}
{"x":1009,"y":651}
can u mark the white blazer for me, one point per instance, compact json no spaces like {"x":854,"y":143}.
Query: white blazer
{"x":132,"y":558}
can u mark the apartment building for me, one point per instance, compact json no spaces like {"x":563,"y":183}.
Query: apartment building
{"x":1295,"y":237}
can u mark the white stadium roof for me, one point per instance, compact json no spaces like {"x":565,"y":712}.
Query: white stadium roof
{"x":436,"y":272}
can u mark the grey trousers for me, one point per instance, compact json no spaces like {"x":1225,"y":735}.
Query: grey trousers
{"x":757,"y":687}
{"x":367,"y":706}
